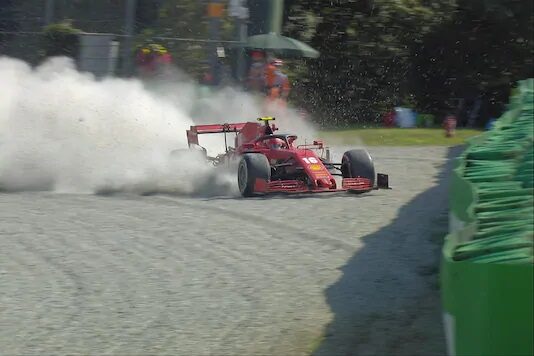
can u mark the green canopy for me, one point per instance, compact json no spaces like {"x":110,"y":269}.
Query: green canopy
{"x":281,"y":45}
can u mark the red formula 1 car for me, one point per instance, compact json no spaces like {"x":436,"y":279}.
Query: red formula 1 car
{"x":271,"y":163}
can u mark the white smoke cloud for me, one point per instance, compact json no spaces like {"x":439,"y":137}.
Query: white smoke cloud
{"x":65,"y":131}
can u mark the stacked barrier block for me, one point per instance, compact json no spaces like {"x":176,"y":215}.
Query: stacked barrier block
{"x":488,"y":255}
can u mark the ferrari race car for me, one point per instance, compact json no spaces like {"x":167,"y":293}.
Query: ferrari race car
{"x":272,"y":163}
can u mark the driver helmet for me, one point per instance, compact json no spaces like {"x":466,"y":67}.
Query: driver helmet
{"x":276,"y":143}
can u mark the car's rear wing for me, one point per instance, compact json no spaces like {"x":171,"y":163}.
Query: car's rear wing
{"x":194,"y":131}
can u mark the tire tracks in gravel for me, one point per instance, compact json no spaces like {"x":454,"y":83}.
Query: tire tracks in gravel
{"x":257,"y":264}
{"x":276,"y":230}
{"x":282,"y":232}
{"x":102,"y":256}
{"x":76,"y":298}
{"x":185,"y":275}
{"x":213,"y":257}
{"x":267,"y":224}
{"x":144,"y":246}
{"x":80,"y":287}
{"x":140,"y":249}
{"x":83,"y":287}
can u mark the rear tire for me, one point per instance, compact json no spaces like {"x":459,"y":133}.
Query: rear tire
{"x":252,"y":166}
{"x":358,"y":163}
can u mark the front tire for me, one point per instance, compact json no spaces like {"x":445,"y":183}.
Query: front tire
{"x":252,"y":166}
{"x":358,"y":163}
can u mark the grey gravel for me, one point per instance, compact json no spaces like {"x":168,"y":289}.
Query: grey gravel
{"x":129,"y":274}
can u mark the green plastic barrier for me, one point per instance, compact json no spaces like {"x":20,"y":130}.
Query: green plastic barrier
{"x":488,"y":304}
{"x":488,"y":256}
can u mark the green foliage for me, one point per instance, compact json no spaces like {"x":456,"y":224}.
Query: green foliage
{"x":60,"y":39}
{"x":382,"y":53}
{"x":185,"y":19}
{"x":484,"y":50}
{"x":368,"y":45}
{"x":426,"y":120}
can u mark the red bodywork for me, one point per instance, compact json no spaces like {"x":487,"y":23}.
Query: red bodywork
{"x":305,"y":167}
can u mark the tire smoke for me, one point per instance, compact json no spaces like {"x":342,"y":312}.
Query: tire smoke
{"x":65,"y":131}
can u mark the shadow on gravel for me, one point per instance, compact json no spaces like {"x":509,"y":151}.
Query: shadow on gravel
{"x":387,"y":302}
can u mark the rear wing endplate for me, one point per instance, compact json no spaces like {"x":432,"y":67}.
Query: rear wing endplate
{"x":194,"y":131}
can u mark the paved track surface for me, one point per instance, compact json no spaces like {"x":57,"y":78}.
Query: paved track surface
{"x":127,"y":274}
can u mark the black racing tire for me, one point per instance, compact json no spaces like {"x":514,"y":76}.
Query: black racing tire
{"x":251,"y":167}
{"x":358,"y":163}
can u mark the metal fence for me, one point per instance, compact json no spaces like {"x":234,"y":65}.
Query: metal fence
{"x":23,"y":45}
{"x":194,"y":56}
{"x":103,"y":53}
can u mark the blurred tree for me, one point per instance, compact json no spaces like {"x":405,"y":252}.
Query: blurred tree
{"x":92,"y":16}
{"x":146,"y":13}
{"x":479,"y":54}
{"x":366,"y":43}
{"x":21,"y":15}
{"x":60,"y":39}
{"x":378,"y":53}
{"x":8,"y":19}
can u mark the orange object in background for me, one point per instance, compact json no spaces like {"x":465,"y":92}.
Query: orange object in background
{"x":274,"y":101}
{"x":274,"y":93}
{"x":215,"y":9}
{"x":280,"y":80}
{"x":256,"y":74}
{"x":285,"y":87}
{"x":270,"y":75}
